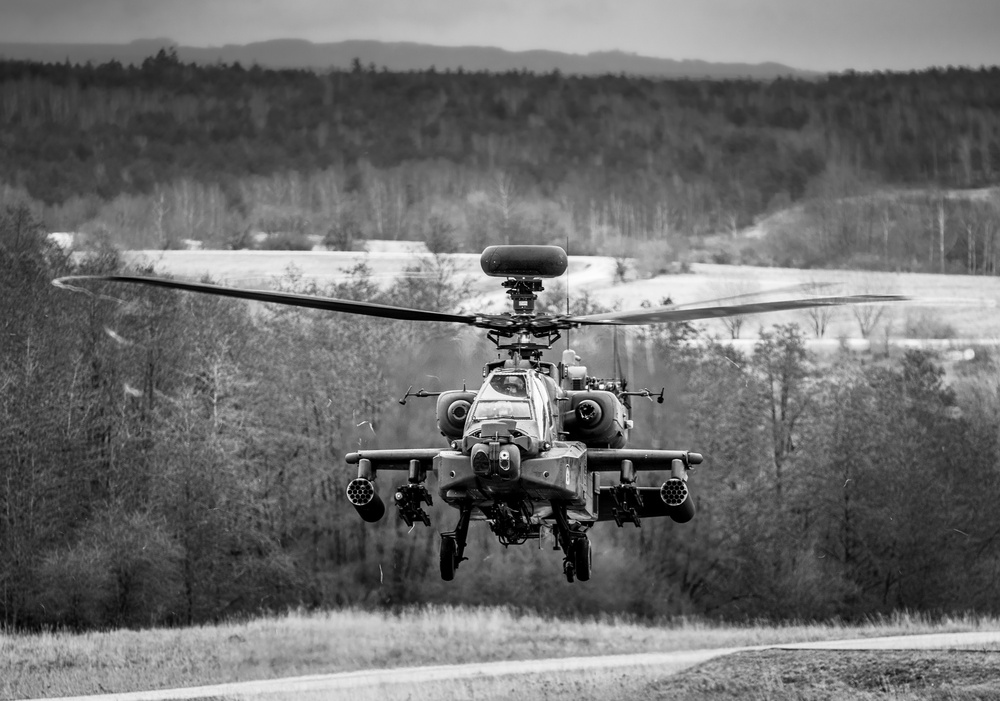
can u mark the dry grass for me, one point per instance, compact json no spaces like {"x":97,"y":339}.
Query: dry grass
{"x":900,"y":675}
{"x":59,"y":663}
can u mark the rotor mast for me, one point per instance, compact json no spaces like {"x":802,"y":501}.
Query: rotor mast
{"x":523,"y":325}
{"x":524,"y":268}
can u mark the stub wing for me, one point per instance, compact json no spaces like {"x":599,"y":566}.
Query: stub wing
{"x":628,"y":503}
{"x":610,"y":460}
{"x":395,"y":459}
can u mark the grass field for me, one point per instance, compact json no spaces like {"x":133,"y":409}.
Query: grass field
{"x":901,"y":675}
{"x":63,"y":664}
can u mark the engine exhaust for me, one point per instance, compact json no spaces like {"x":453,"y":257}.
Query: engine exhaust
{"x":674,"y":493}
{"x":361,"y":493}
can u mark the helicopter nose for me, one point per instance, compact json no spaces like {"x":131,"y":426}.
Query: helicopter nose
{"x":481,"y":460}
{"x":496,"y":459}
{"x":503,"y":461}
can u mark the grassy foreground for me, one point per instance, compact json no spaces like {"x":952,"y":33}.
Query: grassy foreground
{"x":787,"y":675}
{"x":63,"y":664}
{"x":766,"y":675}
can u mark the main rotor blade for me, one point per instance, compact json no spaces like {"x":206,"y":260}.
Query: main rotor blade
{"x":662,"y":315}
{"x":386,"y":311}
{"x":813,"y":287}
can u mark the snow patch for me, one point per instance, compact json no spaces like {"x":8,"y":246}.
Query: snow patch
{"x":383,"y":246}
{"x":62,"y":239}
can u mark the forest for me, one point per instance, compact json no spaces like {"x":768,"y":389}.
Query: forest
{"x":170,"y":459}
{"x":881,"y":170}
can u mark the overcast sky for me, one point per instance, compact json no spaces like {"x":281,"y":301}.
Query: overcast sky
{"x":810,"y":34}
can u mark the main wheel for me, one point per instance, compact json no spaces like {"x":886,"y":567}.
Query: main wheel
{"x":582,"y":558}
{"x":569,"y":569}
{"x":449,"y":556}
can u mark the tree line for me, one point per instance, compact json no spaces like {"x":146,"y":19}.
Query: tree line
{"x":153,"y":154}
{"x":169,"y":458}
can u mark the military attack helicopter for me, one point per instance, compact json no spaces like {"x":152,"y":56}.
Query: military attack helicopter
{"x":526,"y":451}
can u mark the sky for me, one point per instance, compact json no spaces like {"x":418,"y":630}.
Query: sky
{"x":832,"y":35}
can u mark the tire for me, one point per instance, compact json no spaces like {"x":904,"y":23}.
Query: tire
{"x":582,"y":558}
{"x":449,"y":554}
{"x":570,"y":571}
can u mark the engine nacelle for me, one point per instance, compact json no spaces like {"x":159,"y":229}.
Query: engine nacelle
{"x":680,"y":506}
{"x":361,"y":493}
{"x":598,"y":419}
{"x":452,"y":411}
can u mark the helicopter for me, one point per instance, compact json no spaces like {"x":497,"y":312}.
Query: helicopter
{"x":525,"y":452}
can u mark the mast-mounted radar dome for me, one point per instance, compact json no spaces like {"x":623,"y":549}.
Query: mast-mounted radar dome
{"x":524,"y":261}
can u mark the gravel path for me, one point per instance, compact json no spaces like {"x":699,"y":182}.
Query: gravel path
{"x":667,"y":663}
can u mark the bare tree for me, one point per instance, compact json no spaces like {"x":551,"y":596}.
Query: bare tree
{"x":868,"y":316}
{"x":733,"y":292}
{"x":506,"y":201}
{"x":780,"y":358}
{"x":819,"y":317}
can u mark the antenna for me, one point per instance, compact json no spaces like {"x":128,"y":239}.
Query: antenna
{"x":567,"y":286}
{"x":617,"y":358}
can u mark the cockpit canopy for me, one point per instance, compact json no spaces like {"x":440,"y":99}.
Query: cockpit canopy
{"x":512,"y":393}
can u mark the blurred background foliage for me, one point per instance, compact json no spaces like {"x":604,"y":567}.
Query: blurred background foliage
{"x":169,"y":458}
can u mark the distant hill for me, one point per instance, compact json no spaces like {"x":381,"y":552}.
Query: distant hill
{"x":400,"y":56}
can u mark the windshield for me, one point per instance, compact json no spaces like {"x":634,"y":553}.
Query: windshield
{"x":509,"y":385}
{"x":502,"y":409}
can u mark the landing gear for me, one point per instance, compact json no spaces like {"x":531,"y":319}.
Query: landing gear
{"x":581,"y":557}
{"x":576,"y":563}
{"x":453,"y":544}
{"x":575,"y":546}
{"x":511,"y":527}
{"x":449,"y":557}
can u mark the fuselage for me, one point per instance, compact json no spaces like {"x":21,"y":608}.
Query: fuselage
{"x":524,"y":443}
{"x":525,"y":454}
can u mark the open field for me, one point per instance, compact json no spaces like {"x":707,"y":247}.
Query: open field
{"x":967,"y":304}
{"x":64,"y":664}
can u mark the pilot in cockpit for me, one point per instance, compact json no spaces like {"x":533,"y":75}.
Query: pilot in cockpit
{"x":509,"y":385}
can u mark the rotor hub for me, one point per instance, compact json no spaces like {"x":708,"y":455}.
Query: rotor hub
{"x":522,"y":294}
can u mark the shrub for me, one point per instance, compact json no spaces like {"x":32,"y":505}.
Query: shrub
{"x":285,"y":241}
{"x":926,"y":324}
{"x":440,"y":236}
{"x":652,"y":258}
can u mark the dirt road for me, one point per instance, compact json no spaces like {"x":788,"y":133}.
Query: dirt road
{"x":666,"y":663}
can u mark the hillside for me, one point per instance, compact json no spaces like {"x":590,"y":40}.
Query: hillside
{"x":938,"y":230}
{"x":150,"y":155}
{"x":400,"y":56}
